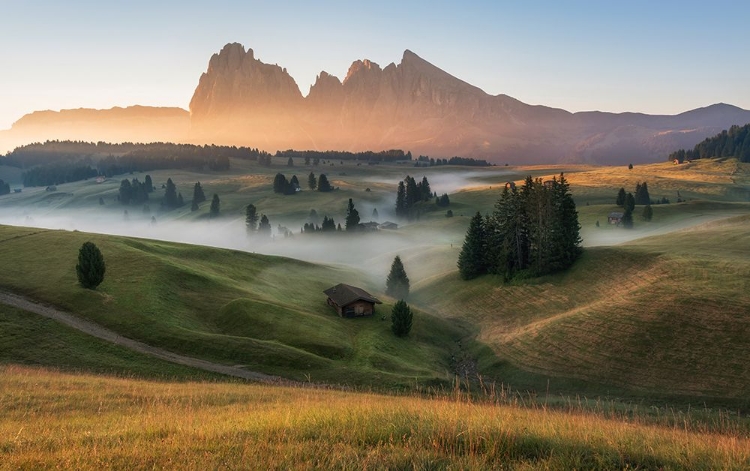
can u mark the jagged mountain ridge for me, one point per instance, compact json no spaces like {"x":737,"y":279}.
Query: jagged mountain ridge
{"x":417,"y":106}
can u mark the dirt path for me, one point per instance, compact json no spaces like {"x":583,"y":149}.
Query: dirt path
{"x":98,"y":331}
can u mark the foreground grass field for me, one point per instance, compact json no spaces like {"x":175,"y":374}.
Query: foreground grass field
{"x":53,"y":420}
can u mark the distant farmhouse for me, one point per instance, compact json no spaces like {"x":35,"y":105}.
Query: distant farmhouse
{"x":350,"y":301}
{"x":615,"y":218}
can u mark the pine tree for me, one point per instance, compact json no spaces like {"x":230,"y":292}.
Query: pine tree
{"x":352,"y":217}
{"x":312,"y":182}
{"x":264,"y":228}
{"x":627,"y":219}
{"x":280,"y":184}
{"x":375,"y":214}
{"x":629,"y":202}
{"x":401,"y":319}
{"x":125,"y":191}
{"x":471,"y":260}
{"x":426,"y":190}
{"x":648,"y":212}
{"x":294,"y":183}
{"x":149,"y":184}
{"x":290,"y":162}
{"x":251,"y":218}
{"x":90,"y":268}
{"x":620,"y":198}
{"x":170,"y":195}
{"x":323,"y":184}
{"x":397,"y":284}
{"x":198,"y":195}
{"x":642,"y":196}
{"x":401,"y":200}
{"x":215,"y":206}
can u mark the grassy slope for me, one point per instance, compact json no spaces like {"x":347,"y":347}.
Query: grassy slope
{"x":33,"y":340}
{"x":664,"y":315}
{"x":267,"y":313}
{"x":83,"y":422}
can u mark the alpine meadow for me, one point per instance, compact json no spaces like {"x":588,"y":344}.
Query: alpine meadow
{"x":400,"y":268}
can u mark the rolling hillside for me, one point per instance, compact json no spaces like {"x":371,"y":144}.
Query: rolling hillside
{"x":265,"y":313}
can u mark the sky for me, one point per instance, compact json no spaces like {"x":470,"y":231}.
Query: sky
{"x":659,"y":57}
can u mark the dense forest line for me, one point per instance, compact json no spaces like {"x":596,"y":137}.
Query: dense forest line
{"x":369,"y":156}
{"x":424,"y":160}
{"x":55,"y":162}
{"x":732,"y":143}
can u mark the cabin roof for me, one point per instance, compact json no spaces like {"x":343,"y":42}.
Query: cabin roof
{"x":343,"y":295}
{"x":615,"y":214}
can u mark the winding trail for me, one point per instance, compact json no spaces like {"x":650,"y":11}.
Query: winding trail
{"x":100,"y":332}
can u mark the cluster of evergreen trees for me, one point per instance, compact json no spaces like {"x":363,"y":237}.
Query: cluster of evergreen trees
{"x":732,"y":143}
{"x":628,"y":201}
{"x":424,"y":160}
{"x":253,"y":225}
{"x":4,"y":188}
{"x":281,"y":185}
{"x":410,"y":193}
{"x":134,"y":192}
{"x":328,"y":225}
{"x":534,"y":230}
{"x":320,"y":184}
{"x":370,"y":156}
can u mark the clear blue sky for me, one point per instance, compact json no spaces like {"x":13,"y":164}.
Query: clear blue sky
{"x":649,"y":56}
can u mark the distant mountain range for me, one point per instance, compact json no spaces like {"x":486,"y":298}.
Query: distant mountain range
{"x":412,"y":106}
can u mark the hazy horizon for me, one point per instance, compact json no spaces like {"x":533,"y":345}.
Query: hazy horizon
{"x":638,"y":57}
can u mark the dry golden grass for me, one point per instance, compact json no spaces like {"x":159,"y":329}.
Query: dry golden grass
{"x":54,"y":420}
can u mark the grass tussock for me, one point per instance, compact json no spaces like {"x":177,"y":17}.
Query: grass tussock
{"x":84,"y":422}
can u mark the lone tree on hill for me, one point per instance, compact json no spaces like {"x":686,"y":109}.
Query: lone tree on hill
{"x":352,"y":217}
{"x":401,"y":319}
{"x":90,"y":268}
{"x":198,"y":195}
{"x":170,"y":195}
{"x":312,"y":182}
{"x":251,"y":217}
{"x":264,"y":228}
{"x":471,"y":260}
{"x":215,"y":206}
{"x":290,"y":162}
{"x":323,"y":184}
{"x":397,"y":284}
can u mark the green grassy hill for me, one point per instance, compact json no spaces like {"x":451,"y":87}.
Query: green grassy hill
{"x":266,"y":313}
{"x":665,"y":315}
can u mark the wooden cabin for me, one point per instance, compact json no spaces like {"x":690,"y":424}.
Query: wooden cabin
{"x":350,"y":301}
{"x":615,"y":218}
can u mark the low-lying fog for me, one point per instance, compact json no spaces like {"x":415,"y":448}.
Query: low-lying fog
{"x":369,"y":253}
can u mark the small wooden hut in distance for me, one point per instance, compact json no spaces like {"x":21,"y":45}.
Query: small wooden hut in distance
{"x":350,"y":301}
